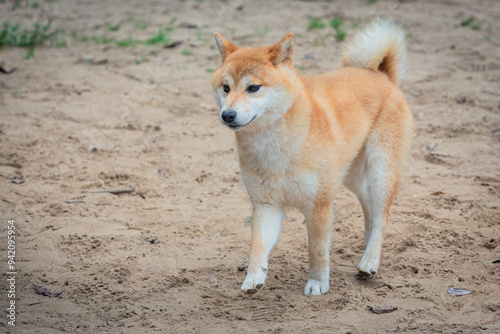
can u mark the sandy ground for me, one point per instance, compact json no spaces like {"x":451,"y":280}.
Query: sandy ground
{"x":143,"y":117}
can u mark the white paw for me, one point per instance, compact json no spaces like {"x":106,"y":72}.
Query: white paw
{"x":314,"y":287}
{"x":369,"y":265}
{"x":254,"y":282}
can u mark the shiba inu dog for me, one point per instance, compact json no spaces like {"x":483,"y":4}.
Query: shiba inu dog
{"x":301,"y":137}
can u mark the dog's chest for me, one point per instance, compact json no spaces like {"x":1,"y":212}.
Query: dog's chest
{"x":299,"y":189}
{"x":273,"y":172}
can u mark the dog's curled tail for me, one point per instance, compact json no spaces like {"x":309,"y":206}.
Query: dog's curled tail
{"x":379,"y":46}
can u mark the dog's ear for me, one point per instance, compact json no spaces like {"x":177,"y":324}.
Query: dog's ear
{"x":282,"y":52}
{"x":225,"y":46}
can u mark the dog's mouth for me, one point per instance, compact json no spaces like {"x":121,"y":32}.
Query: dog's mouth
{"x":240,"y":126}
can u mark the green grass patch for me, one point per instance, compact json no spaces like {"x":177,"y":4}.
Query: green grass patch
{"x":160,"y":37}
{"x":472,"y":22}
{"x":163,"y":35}
{"x":128,"y":42}
{"x":18,"y":93}
{"x":113,"y":27}
{"x":468,"y":21}
{"x":170,"y":25}
{"x":16,"y":4}
{"x":476,"y":26}
{"x":77,"y":38}
{"x":38,"y":34}
{"x":102,"y":39}
{"x":315,"y":23}
{"x":337,"y":24}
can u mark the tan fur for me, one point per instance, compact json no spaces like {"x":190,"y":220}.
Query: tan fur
{"x":301,"y":137}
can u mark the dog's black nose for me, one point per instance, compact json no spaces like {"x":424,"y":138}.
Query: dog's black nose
{"x":228,"y":116}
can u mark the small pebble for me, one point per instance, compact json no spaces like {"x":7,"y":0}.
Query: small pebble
{"x":88,"y":59}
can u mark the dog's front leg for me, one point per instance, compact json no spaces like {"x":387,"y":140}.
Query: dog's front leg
{"x":266,"y":225}
{"x":319,"y":224}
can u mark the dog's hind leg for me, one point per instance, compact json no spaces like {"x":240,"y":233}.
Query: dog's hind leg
{"x":356,"y":182}
{"x":266,"y":225}
{"x":374,"y":177}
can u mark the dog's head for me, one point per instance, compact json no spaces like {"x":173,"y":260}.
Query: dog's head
{"x":253,"y":85}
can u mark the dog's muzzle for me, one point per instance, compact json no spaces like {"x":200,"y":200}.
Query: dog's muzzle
{"x":229,"y":118}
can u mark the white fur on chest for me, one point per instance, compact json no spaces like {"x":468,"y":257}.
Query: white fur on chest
{"x":272,"y":174}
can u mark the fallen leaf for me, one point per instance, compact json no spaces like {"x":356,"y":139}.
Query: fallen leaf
{"x":430,"y":149}
{"x":173,"y":44}
{"x":45,"y":292}
{"x":189,"y":25}
{"x":380,"y":310}
{"x":152,"y":241}
{"x":6,"y":70}
{"x":74,"y":202}
{"x":101,"y":61}
{"x":437,"y":193}
{"x":458,"y":291}
{"x":16,"y":180}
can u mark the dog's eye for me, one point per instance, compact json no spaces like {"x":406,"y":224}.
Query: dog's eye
{"x":253,"y":88}
{"x":226,"y":88}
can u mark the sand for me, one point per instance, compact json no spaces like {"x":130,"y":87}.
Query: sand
{"x":165,"y":256}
